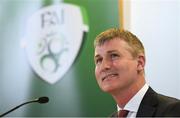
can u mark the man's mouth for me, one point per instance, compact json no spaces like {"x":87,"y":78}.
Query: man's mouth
{"x":109,"y":76}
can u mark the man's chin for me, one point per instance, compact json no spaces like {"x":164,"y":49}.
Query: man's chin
{"x":108,"y":89}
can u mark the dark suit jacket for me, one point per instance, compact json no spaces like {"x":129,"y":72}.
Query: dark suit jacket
{"x":157,"y":105}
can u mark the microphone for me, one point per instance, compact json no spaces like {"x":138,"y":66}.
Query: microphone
{"x":40,"y":100}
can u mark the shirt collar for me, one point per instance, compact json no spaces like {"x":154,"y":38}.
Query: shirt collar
{"x":134,"y":103}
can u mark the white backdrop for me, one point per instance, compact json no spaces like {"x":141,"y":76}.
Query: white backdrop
{"x":157,"y":24}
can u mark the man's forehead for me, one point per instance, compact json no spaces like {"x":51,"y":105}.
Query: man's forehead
{"x":109,"y":45}
{"x":104,"y":41}
{"x":102,"y":51}
{"x":114,"y":45}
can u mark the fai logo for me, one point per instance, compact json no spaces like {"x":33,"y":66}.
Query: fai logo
{"x":53,"y":38}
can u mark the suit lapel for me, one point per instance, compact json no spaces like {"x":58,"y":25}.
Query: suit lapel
{"x":146,"y":111}
{"x":148,"y":104}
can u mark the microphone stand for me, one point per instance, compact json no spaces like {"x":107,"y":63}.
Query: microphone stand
{"x":40,"y":100}
{"x":17,"y":107}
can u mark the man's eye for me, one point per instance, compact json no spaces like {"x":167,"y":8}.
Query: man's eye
{"x":98,"y":61}
{"x":114,"y":56}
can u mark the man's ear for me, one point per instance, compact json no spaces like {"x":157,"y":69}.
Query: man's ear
{"x":141,"y":62}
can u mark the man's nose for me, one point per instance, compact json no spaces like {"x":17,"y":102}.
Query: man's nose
{"x":106,"y":65}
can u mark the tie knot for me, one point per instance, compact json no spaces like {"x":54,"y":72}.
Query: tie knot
{"x":123,"y":113}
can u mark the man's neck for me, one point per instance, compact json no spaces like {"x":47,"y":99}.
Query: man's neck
{"x":123,"y":96}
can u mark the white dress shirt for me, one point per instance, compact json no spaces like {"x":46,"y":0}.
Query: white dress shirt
{"x":133,"y":105}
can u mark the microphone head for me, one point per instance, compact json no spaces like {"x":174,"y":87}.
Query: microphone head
{"x":43,"y":100}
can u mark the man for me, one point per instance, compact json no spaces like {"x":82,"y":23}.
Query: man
{"x":120,"y":60}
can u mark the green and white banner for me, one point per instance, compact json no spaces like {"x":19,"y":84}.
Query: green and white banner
{"x":53,"y":38}
{"x":46,"y":49}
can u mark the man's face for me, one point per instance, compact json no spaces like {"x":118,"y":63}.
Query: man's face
{"x":116,"y":69}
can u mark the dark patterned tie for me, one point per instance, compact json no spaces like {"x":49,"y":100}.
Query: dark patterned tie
{"x":123,"y":113}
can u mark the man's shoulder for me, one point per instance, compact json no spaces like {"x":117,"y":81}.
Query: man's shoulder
{"x":160,"y":105}
{"x":169,"y":106}
{"x":167,"y":99}
{"x":173,"y":109}
{"x":160,"y":97}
